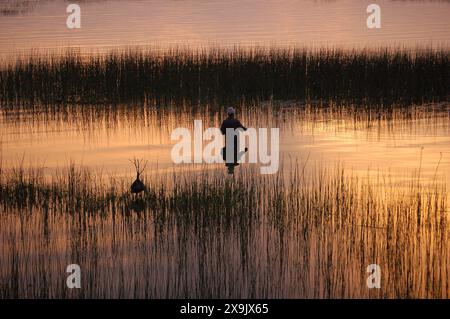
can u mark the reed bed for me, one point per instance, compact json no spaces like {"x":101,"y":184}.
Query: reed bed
{"x":283,"y":114}
{"x":200,"y":234}
{"x":381,"y":77}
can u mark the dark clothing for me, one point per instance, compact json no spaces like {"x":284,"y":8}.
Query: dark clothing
{"x":233,"y":123}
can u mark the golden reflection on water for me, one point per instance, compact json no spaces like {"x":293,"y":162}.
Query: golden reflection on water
{"x":106,"y":140}
{"x":140,"y":255}
{"x":316,"y":244}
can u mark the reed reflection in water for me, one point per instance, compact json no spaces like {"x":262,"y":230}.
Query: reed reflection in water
{"x":309,"y":231}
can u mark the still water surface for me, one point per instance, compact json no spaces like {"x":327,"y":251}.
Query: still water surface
{"x":186,"y":253}
{"x":106,"y":25}
{"x":142,"y":255}
{"x":105,"y":141}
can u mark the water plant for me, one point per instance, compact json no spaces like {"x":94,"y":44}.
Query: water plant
{"x":380,"y":76}
{"x":310,"y":233}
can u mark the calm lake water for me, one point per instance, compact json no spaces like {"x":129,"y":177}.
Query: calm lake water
{"x":315,"y":245}
{"x":106,"y":25}
{"x":399,"y":144}
{"x":310,"y":237}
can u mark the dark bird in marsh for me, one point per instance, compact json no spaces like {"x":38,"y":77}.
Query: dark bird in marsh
{"x":138,"y":186}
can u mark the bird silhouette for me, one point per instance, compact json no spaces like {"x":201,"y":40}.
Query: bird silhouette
{"x":138,"y":186}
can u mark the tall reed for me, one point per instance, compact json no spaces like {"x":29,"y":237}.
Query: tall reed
{"x":201,"y":234}
{"x":382,"y":76}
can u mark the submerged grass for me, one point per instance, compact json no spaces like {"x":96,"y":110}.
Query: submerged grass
{"x":203,"y":234}
{"x":381,"y":77}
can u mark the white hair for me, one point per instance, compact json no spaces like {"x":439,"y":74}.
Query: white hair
{"x":230,"y":110}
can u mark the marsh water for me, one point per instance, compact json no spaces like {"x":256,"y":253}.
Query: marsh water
{"x":375,"y":191}
{"x":399,"y":143}
{"x":320,"y":248}
{"x":109,"y":25}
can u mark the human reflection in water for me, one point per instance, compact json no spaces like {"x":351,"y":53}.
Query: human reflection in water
{"x":232,"y":123}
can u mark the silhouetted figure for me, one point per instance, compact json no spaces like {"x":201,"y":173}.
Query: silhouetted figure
{"x":138,"y":186}
{"x":138,"y":205}
{"x":231,"y":123}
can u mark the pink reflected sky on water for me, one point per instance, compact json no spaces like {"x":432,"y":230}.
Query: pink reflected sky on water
{"x":199,"y":23}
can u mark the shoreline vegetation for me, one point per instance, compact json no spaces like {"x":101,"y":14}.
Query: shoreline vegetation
{"x":303,"y":236}
{"x":379,"y":77}
{"x":306,"y":232}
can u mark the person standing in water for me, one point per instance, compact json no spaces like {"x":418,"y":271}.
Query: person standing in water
{"x":231,"y":123}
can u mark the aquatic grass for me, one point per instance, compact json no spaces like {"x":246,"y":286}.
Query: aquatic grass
{"x":94,"y":121}
{"x":204,"y":234}
{"x":382,"y":77}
